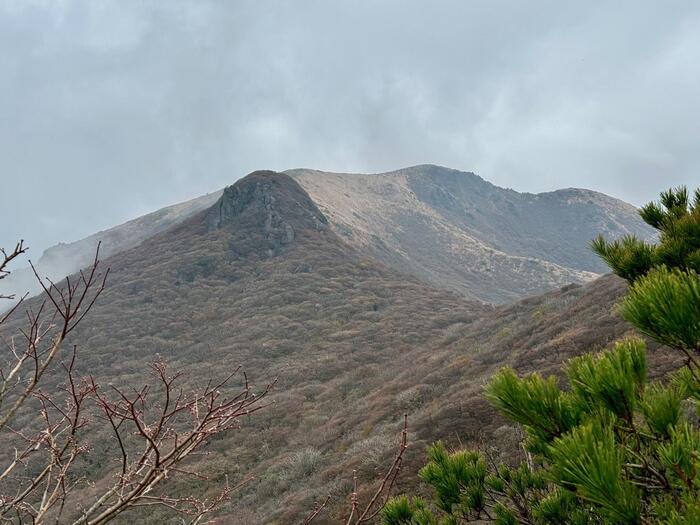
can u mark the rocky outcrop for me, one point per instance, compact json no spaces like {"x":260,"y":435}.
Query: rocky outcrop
{"x":269,"y":209}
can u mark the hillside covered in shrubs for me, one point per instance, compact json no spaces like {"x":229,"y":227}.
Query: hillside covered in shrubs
{"x":264,"y":280}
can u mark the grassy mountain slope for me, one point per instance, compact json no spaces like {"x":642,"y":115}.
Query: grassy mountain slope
{"x":456,"y":230}
{"x":259,"y":279}
{"x":440,"y":387}
{"x":262,"y":279}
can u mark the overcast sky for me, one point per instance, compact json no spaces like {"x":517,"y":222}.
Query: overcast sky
{"x":109,"y":110}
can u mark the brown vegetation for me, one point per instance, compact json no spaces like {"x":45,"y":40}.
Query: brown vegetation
{"x":263,"y":279}
{"x":51,"y":417}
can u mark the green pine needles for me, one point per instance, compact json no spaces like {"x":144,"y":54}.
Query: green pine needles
{"x":612,"y":447}
{"x":677,"y":220}
{"x":665,"y":305}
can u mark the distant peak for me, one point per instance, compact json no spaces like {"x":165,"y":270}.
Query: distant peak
{"x":436,"y":171}
{"x":260,"y":174}
{"x":436,"y":168}
{"x":413,"y":170}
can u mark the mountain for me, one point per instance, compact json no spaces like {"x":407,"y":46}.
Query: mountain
{"x":267,"y":279}
{"x":261,"y":279}
{"x":456,"y":230}
{"x":446,"y":227}
{"x":65,"y":258}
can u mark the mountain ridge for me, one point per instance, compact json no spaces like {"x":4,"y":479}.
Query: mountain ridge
{"x":65,"y":258}
{"x":447,"y":227}
{"x":456,"y":230}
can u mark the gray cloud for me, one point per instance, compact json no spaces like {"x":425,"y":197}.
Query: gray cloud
{"x":112,"y":109}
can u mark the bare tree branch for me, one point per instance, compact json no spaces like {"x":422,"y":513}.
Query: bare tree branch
{"x":358,"y":514}
{"x":153,"y":429}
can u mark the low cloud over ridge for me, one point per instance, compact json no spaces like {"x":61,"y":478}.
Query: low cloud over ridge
{"x":114,"y":109}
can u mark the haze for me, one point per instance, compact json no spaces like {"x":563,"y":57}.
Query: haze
{"x":113,"y":109}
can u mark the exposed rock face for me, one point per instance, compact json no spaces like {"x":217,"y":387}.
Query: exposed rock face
{"x":271,"y":207}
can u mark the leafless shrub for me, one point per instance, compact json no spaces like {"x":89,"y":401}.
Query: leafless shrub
{"x":47,"y":426}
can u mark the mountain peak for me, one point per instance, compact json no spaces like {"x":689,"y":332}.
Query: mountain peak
{"x":267,"y":205}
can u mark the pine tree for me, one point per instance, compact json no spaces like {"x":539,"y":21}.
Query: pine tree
{"x":612,"y":447}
